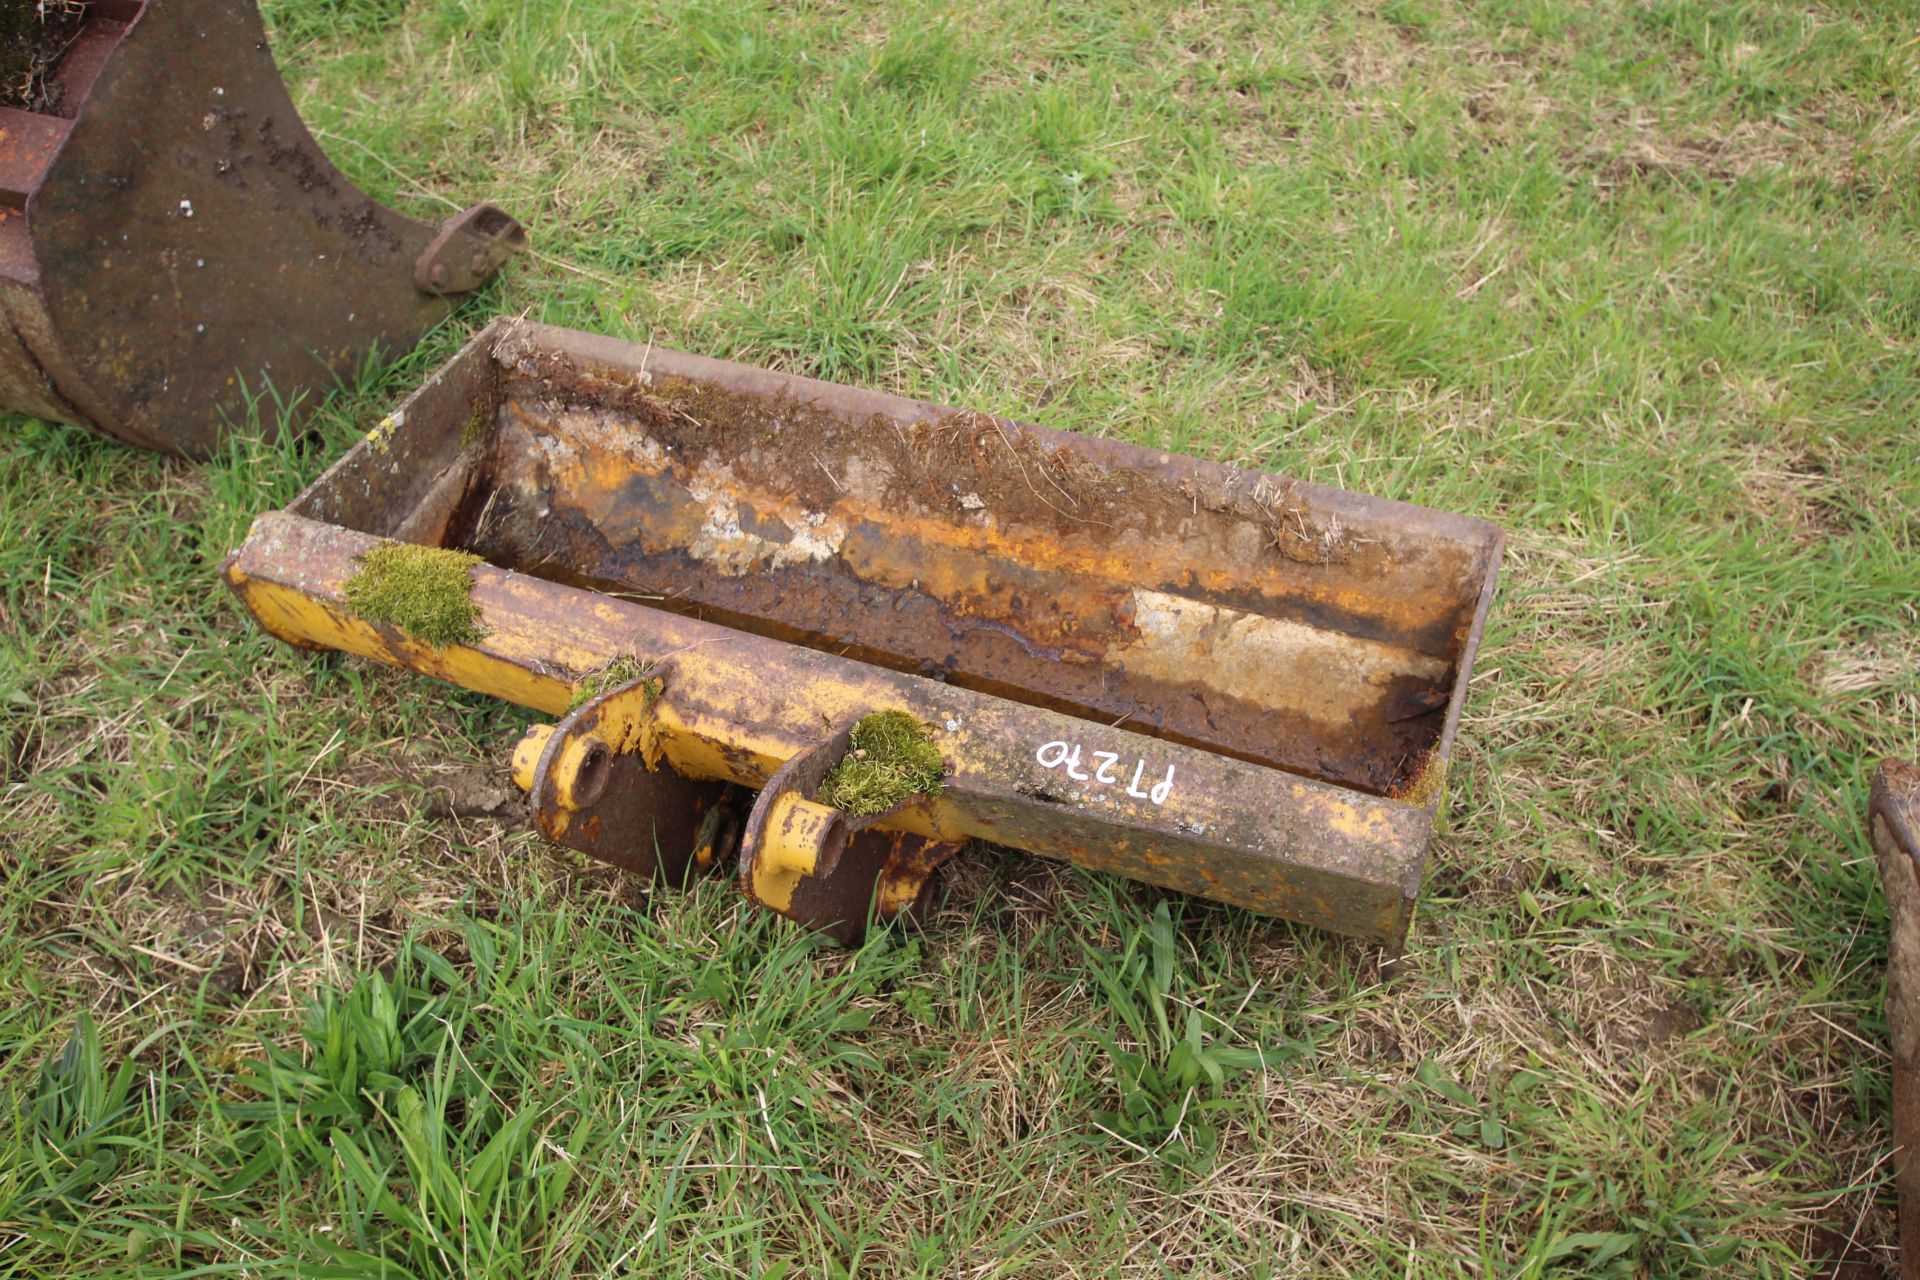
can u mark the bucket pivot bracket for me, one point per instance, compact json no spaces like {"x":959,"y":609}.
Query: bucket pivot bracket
{"x":468,"y":249}
{"x":830,"y":870}
{"x":595,"y":784}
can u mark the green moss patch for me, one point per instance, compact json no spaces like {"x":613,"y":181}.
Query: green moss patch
{"x":426,"y":592}
{"x":622,"y":670}
{"x":892,"y":759}
{"x":475,"y":429}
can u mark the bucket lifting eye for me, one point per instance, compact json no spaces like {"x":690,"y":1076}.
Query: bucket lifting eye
{"x":594,"y":772}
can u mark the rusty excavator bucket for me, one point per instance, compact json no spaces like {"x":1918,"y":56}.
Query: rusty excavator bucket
{"x":1893,"y":817}
{"x":173,"y":241}
{"x":905,"y":626}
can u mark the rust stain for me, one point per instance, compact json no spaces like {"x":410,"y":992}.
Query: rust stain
{"x":695,"y":501}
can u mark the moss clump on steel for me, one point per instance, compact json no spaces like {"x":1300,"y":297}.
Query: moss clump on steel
{"x":622,"y":670}
{"x":891,"y":759}
{"x":426,"y":592}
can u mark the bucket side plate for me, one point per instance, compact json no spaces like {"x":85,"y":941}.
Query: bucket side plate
{"x":1894,"y":820}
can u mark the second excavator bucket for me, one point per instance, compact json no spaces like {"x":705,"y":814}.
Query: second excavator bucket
{"x":173,"y":243}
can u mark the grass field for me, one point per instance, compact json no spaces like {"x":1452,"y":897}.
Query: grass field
{"x":286,"y":989}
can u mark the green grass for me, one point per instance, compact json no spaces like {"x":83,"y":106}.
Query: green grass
{"x":1635,"y":280}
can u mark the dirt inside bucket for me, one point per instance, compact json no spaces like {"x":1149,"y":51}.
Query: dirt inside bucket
{"x":34,"y":34}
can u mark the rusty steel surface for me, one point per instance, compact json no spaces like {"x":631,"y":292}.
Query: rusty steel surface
{"x":1199,"y":605}
{"x":1894,"y":821}
{"x":173,"y":241}
{"x":1224,"y":682}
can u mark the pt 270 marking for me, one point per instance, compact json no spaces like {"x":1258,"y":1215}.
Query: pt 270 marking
{"x":1104,"y":770}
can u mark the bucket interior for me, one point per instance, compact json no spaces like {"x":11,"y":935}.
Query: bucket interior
{"x":1289,"y":625}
